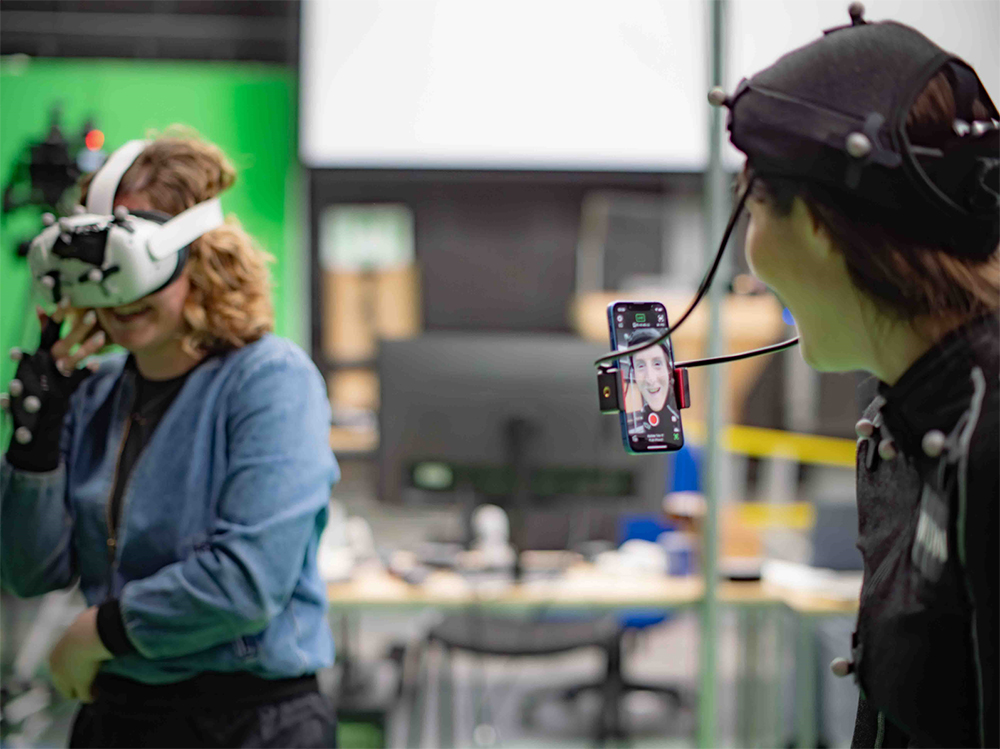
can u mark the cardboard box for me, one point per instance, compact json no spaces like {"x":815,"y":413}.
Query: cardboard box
{"x":361,"y":307}
{"x":353,"y":389}
{"x":348,"y":331}
{"x":397,"y":302}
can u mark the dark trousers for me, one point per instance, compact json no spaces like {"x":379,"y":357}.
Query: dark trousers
{"x":306,"y":720}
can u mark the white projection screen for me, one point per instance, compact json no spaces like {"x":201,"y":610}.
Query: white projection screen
{"x":558,"y":84}
{"x":504,"y":84}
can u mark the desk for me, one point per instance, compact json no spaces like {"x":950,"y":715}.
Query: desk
{"x":579,"y":587}
{"x":808,"y":607}
{"x":583,"y":586}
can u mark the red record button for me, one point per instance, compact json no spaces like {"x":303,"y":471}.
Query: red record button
{"x":654,"y":420}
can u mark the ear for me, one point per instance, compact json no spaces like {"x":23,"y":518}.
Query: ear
{"x":811,"y":231}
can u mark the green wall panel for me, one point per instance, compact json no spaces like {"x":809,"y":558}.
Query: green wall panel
{"x":249,"y":110}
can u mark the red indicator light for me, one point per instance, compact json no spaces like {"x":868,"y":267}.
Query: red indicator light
{"x":94,"y":140}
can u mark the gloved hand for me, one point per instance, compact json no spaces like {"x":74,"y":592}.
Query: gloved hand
{"x":40,"y":391}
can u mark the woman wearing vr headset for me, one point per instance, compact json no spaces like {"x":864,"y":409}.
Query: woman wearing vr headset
{"x":184,"y":483}
{"x":872,"y":174}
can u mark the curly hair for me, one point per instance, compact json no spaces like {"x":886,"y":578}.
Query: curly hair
{"x":229,"y":304}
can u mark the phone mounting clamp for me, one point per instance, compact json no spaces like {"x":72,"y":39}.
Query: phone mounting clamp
{"x":609,"y":396}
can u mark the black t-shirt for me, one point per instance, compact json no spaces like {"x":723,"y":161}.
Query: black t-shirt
{"x":151,"y":401}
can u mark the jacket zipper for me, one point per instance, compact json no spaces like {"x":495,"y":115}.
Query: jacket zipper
{"x":115,"y":522}
{"x":879,"y":574}
{"x":112,"y":521}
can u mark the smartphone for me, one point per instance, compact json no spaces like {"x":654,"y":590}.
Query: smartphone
{"x":650,"y":415}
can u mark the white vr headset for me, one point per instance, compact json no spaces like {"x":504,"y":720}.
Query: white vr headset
{"x":105,"y":256}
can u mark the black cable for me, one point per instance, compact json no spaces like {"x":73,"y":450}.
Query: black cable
{"x":702,"y":290}
{"x":736,"y":357}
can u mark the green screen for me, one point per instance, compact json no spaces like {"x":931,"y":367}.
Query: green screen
{"x":248,"y":109}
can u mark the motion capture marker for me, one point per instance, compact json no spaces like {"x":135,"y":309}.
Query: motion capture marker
{"x":933,"y":443}
{"x":981,"y":127}
{"x":961,"y":128}
{"x":66,"y":238}
{"x":121,"y":213}
{"x":48,"y":282}
{"x":718,"y":97}
{"x":858,"y":145}
{"x":48,"y":219}
{"x":22,"y":435}
{"x":96,"y":275}
{"x":16,"y":354}
{"x":485,"y":735}
{"x":32,"y":404}
{"x":16,"y":387}
{"x":5,"y":401}
{"x":887,"y":450}
{"x":79,"y":210}
{"x":841,"y":667}
{"x":857,"y":12}
{"x":864,"y":428}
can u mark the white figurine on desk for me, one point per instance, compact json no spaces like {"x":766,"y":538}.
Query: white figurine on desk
{"x":345,"y":545}
{"x":491,"y":547}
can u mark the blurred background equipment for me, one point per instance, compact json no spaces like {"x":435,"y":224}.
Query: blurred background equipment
{"x":47,"y":170}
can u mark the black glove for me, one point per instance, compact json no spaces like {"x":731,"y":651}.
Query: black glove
{"x":38,"y":401}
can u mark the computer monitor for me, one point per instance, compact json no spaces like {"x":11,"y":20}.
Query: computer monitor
{"x":510,"y":419}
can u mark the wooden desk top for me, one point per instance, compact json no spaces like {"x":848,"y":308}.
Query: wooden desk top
{"x":578,"y":587}
{"x":575,"y":588}
{"x":814,"y":603}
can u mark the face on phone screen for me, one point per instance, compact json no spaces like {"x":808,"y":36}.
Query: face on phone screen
{"x":651,"y":416}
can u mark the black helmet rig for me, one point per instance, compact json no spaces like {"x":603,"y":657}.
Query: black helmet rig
{"x":834,"y":112}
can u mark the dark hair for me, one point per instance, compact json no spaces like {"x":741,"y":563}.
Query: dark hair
{"x":894,"y":265}
{"x":645,"y":336}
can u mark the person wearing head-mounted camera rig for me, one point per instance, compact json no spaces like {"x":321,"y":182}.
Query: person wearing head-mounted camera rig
{"x":872,"y":186}
{"x":184,"y":483}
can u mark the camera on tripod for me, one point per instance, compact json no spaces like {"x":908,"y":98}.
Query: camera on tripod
{"x":48,"y":170}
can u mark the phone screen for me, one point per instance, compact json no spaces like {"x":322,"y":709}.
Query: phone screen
{"x":651,"y":420}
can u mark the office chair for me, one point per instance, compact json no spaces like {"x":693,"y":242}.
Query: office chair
{"x":479,"y":633}
{"x":614,"y":685}
{"x":683,"y":476}
{"x":498,"y":636}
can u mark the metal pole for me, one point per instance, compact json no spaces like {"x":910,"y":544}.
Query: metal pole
{"x":806,"y":681}
{"x":715,"y":218}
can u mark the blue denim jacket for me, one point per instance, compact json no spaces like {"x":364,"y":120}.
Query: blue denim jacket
{"x":215,"y":565}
